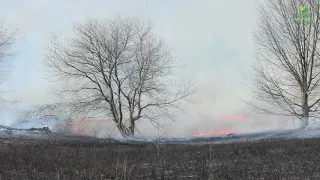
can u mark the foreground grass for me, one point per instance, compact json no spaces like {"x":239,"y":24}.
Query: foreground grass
{"x":269,"y":159}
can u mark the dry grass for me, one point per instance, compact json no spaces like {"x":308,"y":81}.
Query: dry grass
{"x":77,"y":160}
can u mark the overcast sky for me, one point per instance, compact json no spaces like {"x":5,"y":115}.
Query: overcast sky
{"x":213,"y":39}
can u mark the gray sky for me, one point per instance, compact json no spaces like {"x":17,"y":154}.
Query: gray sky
{"x":211,"y":38}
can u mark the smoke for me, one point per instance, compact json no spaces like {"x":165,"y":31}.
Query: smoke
{"x":146,"y":132}
{"x":7,"y":117}
{"x":214,"y":56}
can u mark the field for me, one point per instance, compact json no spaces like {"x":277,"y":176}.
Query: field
{"x":83,"y":159}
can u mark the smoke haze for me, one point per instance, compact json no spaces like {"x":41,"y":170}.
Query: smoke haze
{"x":211,"y":39}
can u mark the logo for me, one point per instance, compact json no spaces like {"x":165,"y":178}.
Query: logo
{"x":303,"y":16}
{"x":303,"y":8}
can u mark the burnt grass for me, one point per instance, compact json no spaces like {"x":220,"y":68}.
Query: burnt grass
{"x":83,"y":160}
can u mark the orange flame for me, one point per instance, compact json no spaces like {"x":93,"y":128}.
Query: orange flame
{"x":219,"y":132}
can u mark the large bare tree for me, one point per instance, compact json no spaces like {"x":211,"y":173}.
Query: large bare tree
{"x":287,"y":74}
{"x":117,"y":68}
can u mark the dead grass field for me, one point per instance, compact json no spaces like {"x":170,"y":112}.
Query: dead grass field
{"x":33,"y":159}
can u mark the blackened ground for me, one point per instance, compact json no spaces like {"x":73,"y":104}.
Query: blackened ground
{"x":84,"y":159}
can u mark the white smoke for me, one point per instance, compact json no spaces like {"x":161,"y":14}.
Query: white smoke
{"x":52,"y":124}
{"x":7,"y":117}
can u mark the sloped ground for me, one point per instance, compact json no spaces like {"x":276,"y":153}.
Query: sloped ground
{"x":78,"y":158}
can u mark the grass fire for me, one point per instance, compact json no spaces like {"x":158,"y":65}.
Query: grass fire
{"x":134,"y":90}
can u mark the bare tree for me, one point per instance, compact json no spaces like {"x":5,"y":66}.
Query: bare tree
{"x":287,"y":74}
{"x":7,"y":38}
{"x":116,"y":68}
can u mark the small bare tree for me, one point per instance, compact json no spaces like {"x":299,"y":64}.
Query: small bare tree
{"x":117,"y":68}
{"x":7,"y":38}
{"x":287,"y":75}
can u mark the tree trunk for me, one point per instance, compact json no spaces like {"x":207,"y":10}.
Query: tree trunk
{"x":124,"y":131}
{"x":305,"y":112}
{"x":131,"y":128}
